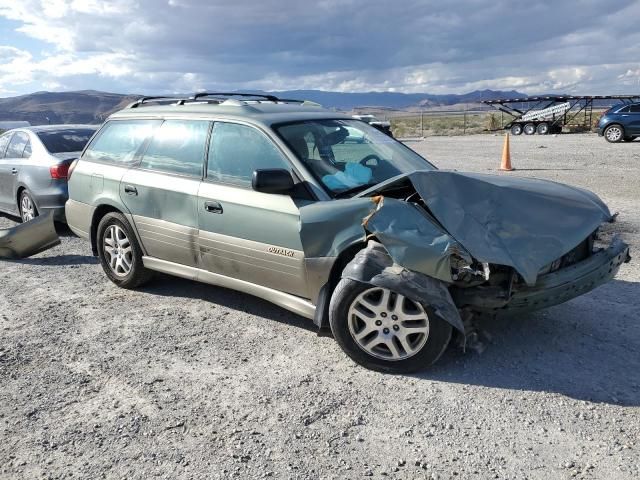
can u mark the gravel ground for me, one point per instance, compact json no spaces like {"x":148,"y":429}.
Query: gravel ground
{"x":183,"y":380}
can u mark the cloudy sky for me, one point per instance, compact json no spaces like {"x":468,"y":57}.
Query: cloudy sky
{"x":162,"y":46}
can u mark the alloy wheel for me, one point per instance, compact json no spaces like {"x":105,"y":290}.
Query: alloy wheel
{"x":388,"y":325}
{"x":117,"y":250}
{"x":614,"y":133}
{"x":27,"y":208}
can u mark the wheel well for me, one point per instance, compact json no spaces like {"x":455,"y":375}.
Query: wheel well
{"x":321,"y":318}
{"x":99,"y":212}
{"x":18,"y":193}
{"x":615,"y":124}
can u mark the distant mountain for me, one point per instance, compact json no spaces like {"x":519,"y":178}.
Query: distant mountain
{"x":394,"y":100}
{"x":89,"y":106}
{"x":40,"y":108}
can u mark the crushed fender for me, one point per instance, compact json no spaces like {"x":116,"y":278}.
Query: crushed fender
{"x":375,"y":266}
{"x":29,"y":238}
{"x":412,"y":239}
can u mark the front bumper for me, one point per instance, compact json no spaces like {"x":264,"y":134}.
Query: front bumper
{"x":550,"y":289}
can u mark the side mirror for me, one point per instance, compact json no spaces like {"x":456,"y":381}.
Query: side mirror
{"x":272,"y":180}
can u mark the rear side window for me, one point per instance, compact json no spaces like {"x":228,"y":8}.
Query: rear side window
{"x":17,"y":144}
{"x":177,"y":146}
{"x":119,"y":141}
{"x":26,"y":153}
{"x":4,"y":141}
{"x":237,"y":150}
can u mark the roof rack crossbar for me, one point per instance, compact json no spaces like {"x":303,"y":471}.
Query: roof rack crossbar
{"x":270,"y":98}
{"x":140,"y":101}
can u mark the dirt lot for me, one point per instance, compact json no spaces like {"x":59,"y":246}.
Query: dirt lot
{"x":182,"y":380}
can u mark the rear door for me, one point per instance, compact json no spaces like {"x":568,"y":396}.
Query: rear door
{"x":162,"y":191}
{"x":245,"y":234}
{"x":5,"y":175}
{"x":12,"y":163}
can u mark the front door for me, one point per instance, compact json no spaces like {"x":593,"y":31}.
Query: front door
{"x":633,"y":120}
{"x":244,"y":234}
{"x":162,"y":191}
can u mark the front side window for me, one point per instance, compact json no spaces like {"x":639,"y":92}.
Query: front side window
{"x":237,"y":150}
{"x":348,"y":156}
{"x":17,"y":144}
{"x":177,"y":146}
{"x":4,"y":141}
{"x":119,"y":141}
{"x":624,"y":110}
{"x":635,"y":108}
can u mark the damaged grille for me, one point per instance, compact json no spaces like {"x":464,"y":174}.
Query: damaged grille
{"x":579,"y":253}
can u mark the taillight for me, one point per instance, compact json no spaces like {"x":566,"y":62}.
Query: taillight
{"x":71,"y":167}
{"x":59,"y":171}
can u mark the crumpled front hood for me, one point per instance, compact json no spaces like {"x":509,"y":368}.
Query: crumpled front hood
{"x":520,"y":222}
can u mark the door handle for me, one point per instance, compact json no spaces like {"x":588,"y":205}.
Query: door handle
{"x":130,"y":189}
{"x":14,"y":171}
{"x":213,"y":207}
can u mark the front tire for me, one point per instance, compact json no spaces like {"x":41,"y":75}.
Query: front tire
{"x":516,"y":129}
{"x":119,"y":252}
{"x":385,"y":331}
{"x":27,"y":207}
{"x":614,"y":133}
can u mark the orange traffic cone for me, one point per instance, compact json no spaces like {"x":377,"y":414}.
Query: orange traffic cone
{"x":506,"y":156}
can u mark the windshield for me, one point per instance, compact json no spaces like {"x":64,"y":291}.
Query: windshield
{"x":65,"y":140}
{"x":348,"y":156}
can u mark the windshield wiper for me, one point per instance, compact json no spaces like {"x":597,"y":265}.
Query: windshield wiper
{"x":353,"y":190}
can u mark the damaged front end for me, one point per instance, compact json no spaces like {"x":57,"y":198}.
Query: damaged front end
{"x":469,"y":242}
{"x":29,"y":238}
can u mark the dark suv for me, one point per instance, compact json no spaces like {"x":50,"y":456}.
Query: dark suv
{"x":620,"y":122}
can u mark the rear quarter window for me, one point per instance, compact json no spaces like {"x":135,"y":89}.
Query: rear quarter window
{"x":119,"y":141}
{"x":178,"y":147}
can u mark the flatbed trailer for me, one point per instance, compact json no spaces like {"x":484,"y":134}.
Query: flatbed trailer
{"x":550,"y":113}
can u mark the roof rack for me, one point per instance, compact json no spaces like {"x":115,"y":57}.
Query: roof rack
{"x":218,"y":97}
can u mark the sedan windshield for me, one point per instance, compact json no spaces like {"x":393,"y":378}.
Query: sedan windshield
{"x":65,"y":140}
{"x":348,"y":156}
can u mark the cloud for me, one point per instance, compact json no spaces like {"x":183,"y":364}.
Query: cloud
{"x":348,"y":45}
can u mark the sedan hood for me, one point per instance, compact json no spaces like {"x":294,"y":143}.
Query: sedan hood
{"x":520,"y":222}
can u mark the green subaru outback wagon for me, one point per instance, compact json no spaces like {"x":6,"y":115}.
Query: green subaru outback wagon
{"x":274,"y":198}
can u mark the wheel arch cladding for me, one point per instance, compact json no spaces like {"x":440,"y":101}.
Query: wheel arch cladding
{"x":98,"y":214}
{"x":373,"y":265}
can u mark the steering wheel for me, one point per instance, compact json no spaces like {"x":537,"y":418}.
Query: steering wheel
{"x":371,"y":156}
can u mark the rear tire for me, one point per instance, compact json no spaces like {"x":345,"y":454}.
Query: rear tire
{"x":529,"y":129}
{"x":516,"y":129}
{"x":27,"y":207}
{"x":542,"y":128}
{"x":119,"y":252}
{"x":614,"y":133}
{"x":403,"y":336}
